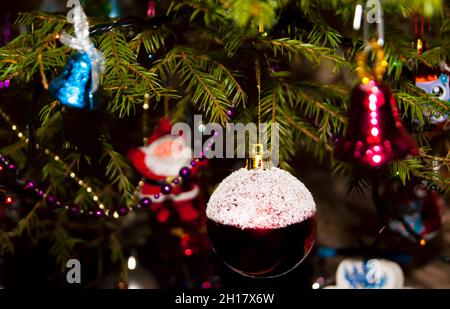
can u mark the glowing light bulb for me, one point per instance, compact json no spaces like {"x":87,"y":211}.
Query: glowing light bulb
{"x":9,"y":200}
{"x":374,"y":132}
{"x":376,"y":158}
{"x":131,"y":263}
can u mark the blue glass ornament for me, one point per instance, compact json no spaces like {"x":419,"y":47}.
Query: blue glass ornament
{"x":74,"y":86}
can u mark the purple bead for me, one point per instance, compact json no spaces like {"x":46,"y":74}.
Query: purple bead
{"x":156,"y":196}
{"x":99,"y":213}
{"x":40,"y":193}
{"x":231,"y":112}
{"x":74,"y":210}
{"x":30,"y":185}
{"x":2,"y":84}
{"x":166,"y":188}
{"x":146,"y":202}
{"x":336,"y":138}
{"x":6,"y":83}
{"x":12,"y":166}
{"x":176,"y":181}
{"x":51,"y":199}
{"x":193,"y":163}
{"x":123,"y":211}
{"x":185,"y":172}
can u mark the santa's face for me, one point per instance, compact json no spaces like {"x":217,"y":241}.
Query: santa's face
{"x":167,"y":155}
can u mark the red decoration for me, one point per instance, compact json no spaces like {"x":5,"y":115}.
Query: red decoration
{"x":419,"y":207}
{"x":257,"y":233}
{"x":375,"y":133}
{"x":151,"y":11}
{"x":9,"y":200}
{"x":6,"y":200}
{"x":158,"y":163}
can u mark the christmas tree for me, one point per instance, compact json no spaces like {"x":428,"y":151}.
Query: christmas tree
{"x":88,"y":105}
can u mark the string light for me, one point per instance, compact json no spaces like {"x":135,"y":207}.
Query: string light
{"x":9,"y":200}
{"x":131,"y":263}
{"x":184,"y":173}
{"x":56,"y":158}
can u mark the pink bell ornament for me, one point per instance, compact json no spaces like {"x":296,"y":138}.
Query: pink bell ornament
{"x":375,"y":134}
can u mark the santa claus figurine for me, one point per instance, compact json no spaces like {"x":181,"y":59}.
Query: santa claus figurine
{"x":167,"y":164}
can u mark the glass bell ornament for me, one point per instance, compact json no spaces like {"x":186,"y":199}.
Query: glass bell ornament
{"x":73,"y":87}
{"x":375,"y":133}
{"x":261,"y":220}
{"x":78,"y":83}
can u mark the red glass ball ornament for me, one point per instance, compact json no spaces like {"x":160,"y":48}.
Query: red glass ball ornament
{"x":375,"y":133}
{"x":261,"y":223}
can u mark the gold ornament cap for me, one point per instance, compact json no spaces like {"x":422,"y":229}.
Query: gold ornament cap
{"x":257,"y":161}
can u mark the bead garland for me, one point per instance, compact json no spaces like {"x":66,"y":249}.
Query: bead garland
{"x":100,"y":211}
{"x":380,"y":63}
{"x":5,"y":84}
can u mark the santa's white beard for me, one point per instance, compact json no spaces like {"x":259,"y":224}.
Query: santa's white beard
{"x":165,"y":166}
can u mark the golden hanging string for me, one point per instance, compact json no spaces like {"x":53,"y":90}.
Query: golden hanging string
{"x":258,"y":86}
{"x":257,"y":159}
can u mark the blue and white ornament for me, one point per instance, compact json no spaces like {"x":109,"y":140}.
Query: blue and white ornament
{"x":437,"y":86}
{"x":358,"y":273}
{"x":78,"y":83}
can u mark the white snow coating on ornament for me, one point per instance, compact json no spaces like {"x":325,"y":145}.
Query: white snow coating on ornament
{"x":265,"y":199}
